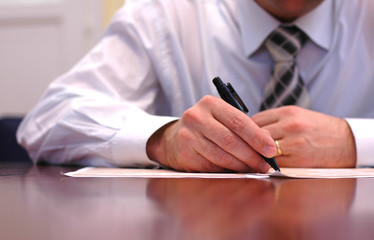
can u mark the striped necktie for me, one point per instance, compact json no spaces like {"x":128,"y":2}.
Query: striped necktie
{"x":286,"y":86}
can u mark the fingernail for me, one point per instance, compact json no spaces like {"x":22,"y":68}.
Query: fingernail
{"x":269,"y":151}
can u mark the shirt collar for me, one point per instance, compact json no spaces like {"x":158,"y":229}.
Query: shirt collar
{"x":256,"y":24}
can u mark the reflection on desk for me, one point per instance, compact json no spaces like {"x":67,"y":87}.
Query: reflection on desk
{"x":295,"y":209}
{"x":38,"y":202}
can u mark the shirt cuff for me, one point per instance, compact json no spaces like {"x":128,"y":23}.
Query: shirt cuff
{"x":363,"y":132}
{"x":129,"y":144}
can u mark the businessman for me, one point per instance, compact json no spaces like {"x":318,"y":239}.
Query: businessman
{"x":143,"y":96}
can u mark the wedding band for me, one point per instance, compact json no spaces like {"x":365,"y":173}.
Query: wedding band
{"x":279,"y":150}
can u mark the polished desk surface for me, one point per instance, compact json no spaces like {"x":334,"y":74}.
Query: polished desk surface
{"x":38,"y":202}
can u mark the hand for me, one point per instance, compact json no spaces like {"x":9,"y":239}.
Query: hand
{"x":212,"y":136}
{"x":309,"y":139}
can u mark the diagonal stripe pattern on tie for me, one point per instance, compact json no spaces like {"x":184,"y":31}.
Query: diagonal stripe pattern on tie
{"x":286,"y":86}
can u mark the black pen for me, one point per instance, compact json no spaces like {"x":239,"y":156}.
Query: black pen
{"x":227,"y":93}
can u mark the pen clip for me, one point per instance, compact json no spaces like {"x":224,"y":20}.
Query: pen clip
{"x":237,"y":98}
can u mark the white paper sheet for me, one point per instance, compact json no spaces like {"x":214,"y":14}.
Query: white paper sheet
{"x":163,"y":173}
{"x":324,"y":173}
{"x":154,"y":173}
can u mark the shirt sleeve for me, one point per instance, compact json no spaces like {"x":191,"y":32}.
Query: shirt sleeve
{"x":363,"y":131}
{"x":103,"y":111}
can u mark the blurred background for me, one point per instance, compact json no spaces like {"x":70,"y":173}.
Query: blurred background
{"x":40,"y":40}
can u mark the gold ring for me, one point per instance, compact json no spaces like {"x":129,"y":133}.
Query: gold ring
{"x":279,"y":150}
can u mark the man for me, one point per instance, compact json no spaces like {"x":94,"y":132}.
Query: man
{"x":143,"y":96}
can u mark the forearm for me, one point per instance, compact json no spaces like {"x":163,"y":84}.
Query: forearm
{"x":65,"y":134}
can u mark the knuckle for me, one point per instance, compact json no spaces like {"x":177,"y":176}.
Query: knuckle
{"x":207,"y":100}
{"x":191,"y":115}
{"x":296,"y":126}
{"x":237,"y":123}
{"x":229,"y":142}
{"x":222,"y":160}
{"x":289,"y":110}
{"x":184,"y":135}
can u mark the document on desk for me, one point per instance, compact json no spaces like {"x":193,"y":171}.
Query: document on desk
{"x":154,"y":173}
{"x":164,"y":173}
{"x":323,"y":173}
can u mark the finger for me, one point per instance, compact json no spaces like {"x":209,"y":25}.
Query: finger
{"x":290,"y":157}
{"x":184,"y":157}
{"x":245,"y":128}
{"x":284,"y":145}
{"x":265,"y":118}
{"x":219,"y":157}
{"x":275,"y":130}
{"x":228,"y":150}
{"x":198,"y":163}
{"x":282,"y":155}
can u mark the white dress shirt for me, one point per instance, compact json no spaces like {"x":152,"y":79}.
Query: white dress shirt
{"x":158,"y":58}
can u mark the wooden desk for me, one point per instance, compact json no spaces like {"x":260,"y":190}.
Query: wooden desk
{"x":37,"y":202}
